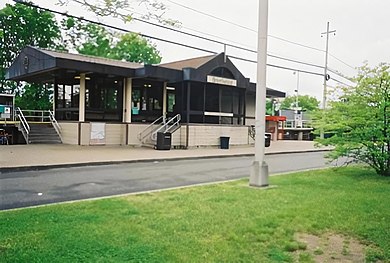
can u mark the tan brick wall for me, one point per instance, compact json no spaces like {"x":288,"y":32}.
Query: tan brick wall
{"x":199,"y":135}
{"x":69,"y":132}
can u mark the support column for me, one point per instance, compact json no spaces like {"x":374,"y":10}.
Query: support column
{"x":300,"y":136}
{"x":128,"y":99}
{"x":82,"y":98}
{"x":164,"y":106}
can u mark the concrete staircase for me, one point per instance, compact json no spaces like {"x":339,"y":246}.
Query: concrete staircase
{"x":43,"y":133}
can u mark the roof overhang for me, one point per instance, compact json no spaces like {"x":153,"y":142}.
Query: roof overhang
{"x":36,"y":65}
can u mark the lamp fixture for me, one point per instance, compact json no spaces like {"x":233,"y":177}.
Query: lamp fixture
{"x":78,"y":77}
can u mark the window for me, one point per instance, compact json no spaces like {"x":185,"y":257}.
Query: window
{"x":212,"y":98}
{"x":197,"y":97}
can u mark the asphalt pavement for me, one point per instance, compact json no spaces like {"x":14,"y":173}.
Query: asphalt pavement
{"x":44,"y":156}
{"x":30,"y":188}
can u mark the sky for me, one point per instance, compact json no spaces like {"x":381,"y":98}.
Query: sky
{"x":362,"y":35}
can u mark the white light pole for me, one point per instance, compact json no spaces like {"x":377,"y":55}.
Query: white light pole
{"x":259,"y":169}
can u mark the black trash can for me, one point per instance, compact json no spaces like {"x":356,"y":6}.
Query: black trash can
{"x":224,"y":142}
{"x":267,"y":138}
{"x":164,"y":140}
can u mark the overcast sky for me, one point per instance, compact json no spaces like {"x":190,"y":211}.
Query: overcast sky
{"x":362,"y":34}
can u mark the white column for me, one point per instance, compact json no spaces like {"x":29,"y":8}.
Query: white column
{"x":82,"y":98}
{"x":164,"y":106}
{"x":128,"y":92}
{"x":259,"y":169}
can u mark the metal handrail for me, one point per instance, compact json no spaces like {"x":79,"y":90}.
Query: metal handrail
{"x":167,"y":126}
{"x":150,"y":128}
{"x":25,"y":127}
{"x":42,"y":115}
{"x":55,"y":124}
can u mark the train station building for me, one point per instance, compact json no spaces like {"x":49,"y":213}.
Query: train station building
{"x":98,"y":100}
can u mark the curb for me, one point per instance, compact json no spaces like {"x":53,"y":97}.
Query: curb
{"x":6,"y":170}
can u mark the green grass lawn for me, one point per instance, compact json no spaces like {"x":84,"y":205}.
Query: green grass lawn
{"x":227,"y":222}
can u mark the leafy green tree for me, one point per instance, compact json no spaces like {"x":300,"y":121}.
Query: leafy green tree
{"x":125,"y":9}
{"x":23,"y":25}
{"x":130,"y":46}
{"x":35,"y":97}
{"x":358,"y":124}
{"x":306,"y":102}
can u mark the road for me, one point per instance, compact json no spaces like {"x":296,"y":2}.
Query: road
{"x":29,"y":188}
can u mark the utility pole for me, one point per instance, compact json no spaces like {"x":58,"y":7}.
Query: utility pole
{"x":297,"y":90}
{"x":259,"y":169}
{"x":326,"y":76}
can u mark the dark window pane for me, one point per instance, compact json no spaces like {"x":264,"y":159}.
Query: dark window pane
{"x":196,"y":118}
{"x":197,"y":94}
{"x":226,"y":100}
{"x":212,"y":98}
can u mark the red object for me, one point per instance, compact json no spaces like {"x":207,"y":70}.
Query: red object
{"x":275,"y":118}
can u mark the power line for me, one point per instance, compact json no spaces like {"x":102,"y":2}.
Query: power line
{"x":252,"y":30}
{"x":115,"y":27}
{"x":338,"y":74}
{"x":341,"y":61}
{"x":280,"y":67}
{"x":296,"y":61}
{"x":164,"y":40}
{"x":212,"y":16}
{"x":338,"y":81}
{"x":176,"y":30}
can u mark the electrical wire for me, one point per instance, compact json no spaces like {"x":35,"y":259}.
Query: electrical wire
{"x":116,"y":28}
{"x":338,"y":81}
{"x":280,"y":67}
{"x":252,"y":30}
{"x":160,"y":39}
{"x":341,"y":61}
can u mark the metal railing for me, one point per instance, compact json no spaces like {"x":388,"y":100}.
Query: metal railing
{"x":297,"y":124}
{"x":147,"y":132}
{"x":159,"y":125}
{"x":24,"y":127}
{"x":252,"y":132}
{"x":169,"y":126}
{"x":55,"y":124}
{"x":37,"y":115}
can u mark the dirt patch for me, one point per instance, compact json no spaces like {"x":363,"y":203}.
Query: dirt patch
{"x":331,"y":248}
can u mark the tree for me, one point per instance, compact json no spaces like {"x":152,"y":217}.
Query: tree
{"x":35,"y":97}
{"x":130,"y":46}
{"x":23,"y":25}
{"x":306,"y":102}
{"x":124,"y":9}
{"x":359,"y":121}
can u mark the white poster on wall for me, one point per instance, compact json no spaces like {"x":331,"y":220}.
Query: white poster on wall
{"x":98,"y":133}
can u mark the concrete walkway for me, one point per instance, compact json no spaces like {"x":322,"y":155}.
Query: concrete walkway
{"x":39,"y":156}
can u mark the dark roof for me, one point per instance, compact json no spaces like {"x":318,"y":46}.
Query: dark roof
{"x":90,"y":59}
{"x":40,"y":65}
{"x":37,"y":65}
{"x":188,"y":63}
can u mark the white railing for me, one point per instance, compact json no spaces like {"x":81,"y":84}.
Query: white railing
{"x":159,"y":125}
{"x":147,"y":132}
{"x":170,"y":126}
{"x":37,"y":115}
{"x":23,"y":124}
{"x":55,"y":124}
{"x":297,"y":124}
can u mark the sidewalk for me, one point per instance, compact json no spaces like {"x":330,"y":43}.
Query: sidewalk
{"x":40,"y":156}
